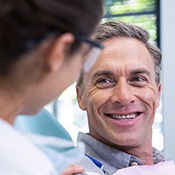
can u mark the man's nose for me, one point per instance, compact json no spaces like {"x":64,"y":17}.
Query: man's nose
{"x":122,"y":93}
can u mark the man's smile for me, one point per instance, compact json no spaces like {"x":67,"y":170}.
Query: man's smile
{"x":124,"y":117}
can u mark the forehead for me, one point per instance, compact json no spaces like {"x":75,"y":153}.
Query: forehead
{"x":124,"y":54}
{"x":122,"y":51}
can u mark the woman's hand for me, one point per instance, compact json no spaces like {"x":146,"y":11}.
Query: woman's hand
{"x":73,"y":169}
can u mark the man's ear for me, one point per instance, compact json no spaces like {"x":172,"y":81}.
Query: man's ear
{"x":80,"y":97}
{"x":159,"y":90}
{"x":58,"y":51}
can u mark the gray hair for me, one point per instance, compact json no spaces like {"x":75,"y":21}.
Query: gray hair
{"x":109,"y":30}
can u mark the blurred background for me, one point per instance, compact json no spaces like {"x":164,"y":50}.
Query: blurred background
{"x":157,"y":16}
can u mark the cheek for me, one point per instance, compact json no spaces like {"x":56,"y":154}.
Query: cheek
{"x":95,"y":117}
{"x":150,"y":98}
{"x":93,"y":102}
{"x":96,"y":100}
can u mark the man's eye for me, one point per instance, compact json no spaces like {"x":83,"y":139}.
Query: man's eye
{"x":138,"y":81}
{"x":105,"y":83}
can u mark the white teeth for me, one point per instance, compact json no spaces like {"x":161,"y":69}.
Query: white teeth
{"x":129,"y":116}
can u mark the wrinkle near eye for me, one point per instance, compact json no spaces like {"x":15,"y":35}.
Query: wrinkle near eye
{"x":91,"y":90}
{"x":138,"y":80}
{"x":103,"y":77}
{"x":105,"y":82}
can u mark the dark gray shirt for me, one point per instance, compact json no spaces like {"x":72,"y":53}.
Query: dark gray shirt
{"x":112,"y":159}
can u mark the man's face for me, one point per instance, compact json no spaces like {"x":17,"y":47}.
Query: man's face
{"x":120,"y":94}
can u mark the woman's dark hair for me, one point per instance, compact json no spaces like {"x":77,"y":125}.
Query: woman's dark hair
{"x":21,"y":21}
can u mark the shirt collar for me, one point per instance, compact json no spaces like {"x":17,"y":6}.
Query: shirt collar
{"x":111,"y":158}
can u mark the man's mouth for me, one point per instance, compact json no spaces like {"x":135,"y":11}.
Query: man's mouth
{"x":124,"y":117}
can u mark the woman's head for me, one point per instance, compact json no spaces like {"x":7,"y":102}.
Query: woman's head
{"x":42,"y":47}
{"x":24,"y":20}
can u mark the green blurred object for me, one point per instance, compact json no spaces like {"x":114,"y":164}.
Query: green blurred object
{"x":144,"y":13}
{"x":43,"y":123}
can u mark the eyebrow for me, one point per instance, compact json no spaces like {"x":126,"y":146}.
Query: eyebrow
{"x":102,"y":73}
{"x":140,"y":71}
{"x":109,"y":73}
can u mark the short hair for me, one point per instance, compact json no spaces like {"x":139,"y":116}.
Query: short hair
{"x":117,"y":29}
{"x":22,"y":20}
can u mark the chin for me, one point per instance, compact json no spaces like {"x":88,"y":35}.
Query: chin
{"x":124,"y":142}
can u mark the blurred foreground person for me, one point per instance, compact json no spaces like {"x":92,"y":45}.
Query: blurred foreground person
{"x":44,"y":45}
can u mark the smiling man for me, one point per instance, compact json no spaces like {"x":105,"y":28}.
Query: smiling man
{"x":121,"y":94}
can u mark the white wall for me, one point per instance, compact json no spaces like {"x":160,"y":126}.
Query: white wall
{"x":168,"y":50}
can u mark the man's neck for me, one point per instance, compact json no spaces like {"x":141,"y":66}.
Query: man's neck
{"x":145,"y":154}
